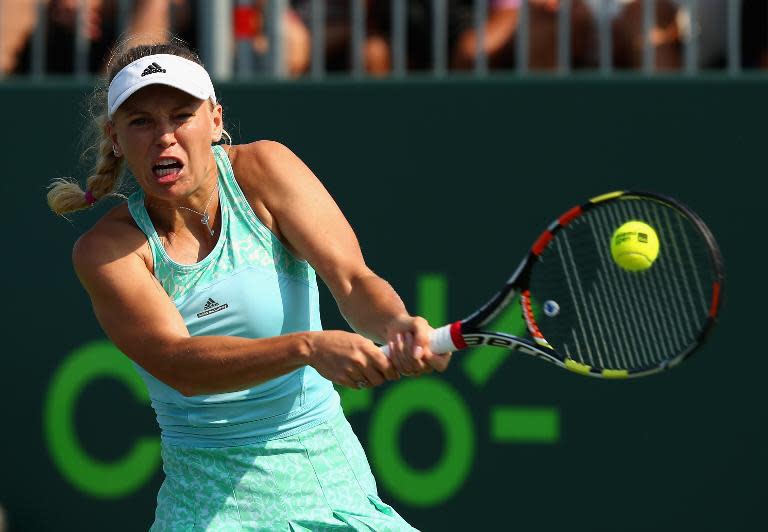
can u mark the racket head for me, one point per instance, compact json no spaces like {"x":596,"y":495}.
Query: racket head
{"x":586,"y":313}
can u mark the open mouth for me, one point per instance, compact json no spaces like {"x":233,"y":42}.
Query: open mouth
{"x":167,"y":167}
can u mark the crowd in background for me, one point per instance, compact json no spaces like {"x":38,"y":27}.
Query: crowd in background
{"x":153,"y":18}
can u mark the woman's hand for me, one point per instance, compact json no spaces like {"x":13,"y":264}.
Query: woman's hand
{"x":408,"y":341}
{"x":350,"y":359}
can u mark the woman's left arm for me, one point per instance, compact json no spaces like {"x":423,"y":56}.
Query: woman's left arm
{"x":306,"y":218}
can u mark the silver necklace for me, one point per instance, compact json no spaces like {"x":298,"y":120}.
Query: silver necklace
{"x":204,"y":218}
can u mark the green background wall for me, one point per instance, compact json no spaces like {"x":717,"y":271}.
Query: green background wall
{"x":446,"y":185}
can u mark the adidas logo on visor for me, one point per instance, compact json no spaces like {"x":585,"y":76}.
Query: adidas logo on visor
{"x":154,"y":68}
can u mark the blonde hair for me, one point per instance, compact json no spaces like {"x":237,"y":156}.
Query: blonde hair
{"x":65,"y":194}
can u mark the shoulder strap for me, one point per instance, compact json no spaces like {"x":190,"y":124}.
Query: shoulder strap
{"x":142,"y":219}
{"x":139,"y":212}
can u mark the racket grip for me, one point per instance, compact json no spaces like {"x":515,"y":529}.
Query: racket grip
{"x":440,"y":341}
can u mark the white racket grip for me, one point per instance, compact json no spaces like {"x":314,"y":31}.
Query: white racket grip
{"x":440,"y":341}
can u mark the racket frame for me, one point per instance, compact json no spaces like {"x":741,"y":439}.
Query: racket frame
{"x":470,"y":332}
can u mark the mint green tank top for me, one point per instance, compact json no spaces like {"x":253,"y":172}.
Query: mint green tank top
{"x":249,"y":286}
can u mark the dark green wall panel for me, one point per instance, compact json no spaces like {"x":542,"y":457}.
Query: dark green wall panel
{"x":446,"y":184}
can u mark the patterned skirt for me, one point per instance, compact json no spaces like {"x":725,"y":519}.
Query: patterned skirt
{"x":318,"y":479}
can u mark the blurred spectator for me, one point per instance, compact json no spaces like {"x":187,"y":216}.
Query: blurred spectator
{"x":711,"y":33}
{"x":665,"y":37}
{"x":501,"y":30}
{"x":17,"y":18}
{"x":150,"y":20}
{"x":296,"y":37}
{"x":297,"y":27}
{"x":419,"y":13}
{"x":337,"y":27}
{"x":672,"y":27}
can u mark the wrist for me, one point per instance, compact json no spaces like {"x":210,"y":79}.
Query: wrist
{"x":305,"y":347}
{"x":396,"y":324}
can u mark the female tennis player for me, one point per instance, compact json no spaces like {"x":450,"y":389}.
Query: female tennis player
{"x":206,"y":280}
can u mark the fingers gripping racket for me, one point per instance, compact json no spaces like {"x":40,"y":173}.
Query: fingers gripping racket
{"x":586,"y":312}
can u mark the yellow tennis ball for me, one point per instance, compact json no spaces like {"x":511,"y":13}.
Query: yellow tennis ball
{"x":634,"y":246}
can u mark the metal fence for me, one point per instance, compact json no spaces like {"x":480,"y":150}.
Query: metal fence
{"x":226,"y":28}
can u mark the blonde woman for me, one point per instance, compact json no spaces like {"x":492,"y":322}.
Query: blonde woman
{"x":205,"y":278}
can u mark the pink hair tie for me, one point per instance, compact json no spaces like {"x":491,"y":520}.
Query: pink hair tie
{"x":90,"y":199}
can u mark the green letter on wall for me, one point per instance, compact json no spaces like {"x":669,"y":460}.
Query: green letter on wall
{"x":435,"y":397}
{"x":99,"y":479}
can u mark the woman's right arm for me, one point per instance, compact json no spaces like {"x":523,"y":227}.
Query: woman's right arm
{"x":142,"y":321}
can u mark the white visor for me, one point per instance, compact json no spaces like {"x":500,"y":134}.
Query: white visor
{"x":162,"y":69}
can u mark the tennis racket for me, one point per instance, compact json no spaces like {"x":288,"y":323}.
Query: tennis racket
{"x":585,"y":313}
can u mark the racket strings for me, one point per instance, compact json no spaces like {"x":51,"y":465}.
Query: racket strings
{"x":611,"y":318}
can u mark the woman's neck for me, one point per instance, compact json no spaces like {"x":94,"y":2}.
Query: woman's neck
{"x":197,"y":213}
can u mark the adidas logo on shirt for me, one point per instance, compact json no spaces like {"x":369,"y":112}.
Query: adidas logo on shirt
{"x":210,"y":307}
{"x":154,"y":68}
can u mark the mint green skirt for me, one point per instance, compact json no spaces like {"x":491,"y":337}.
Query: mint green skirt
{"x":318,"y":479}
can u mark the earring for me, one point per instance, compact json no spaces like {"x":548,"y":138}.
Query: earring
{"x":115,"y":150}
